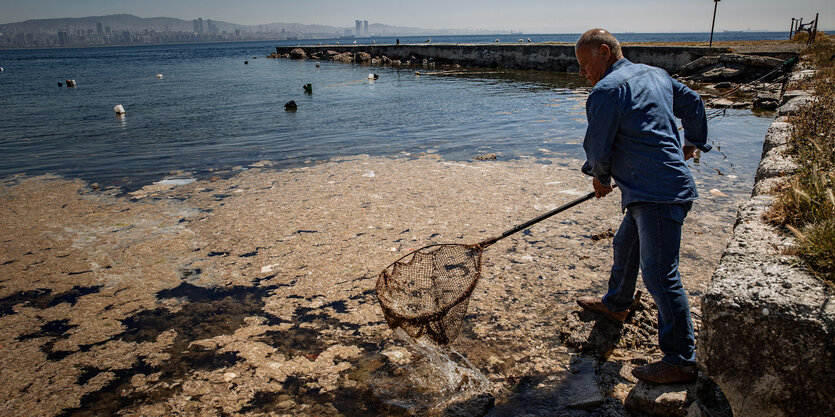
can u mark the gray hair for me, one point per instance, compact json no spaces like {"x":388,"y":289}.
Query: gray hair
{"x":596,"y":37}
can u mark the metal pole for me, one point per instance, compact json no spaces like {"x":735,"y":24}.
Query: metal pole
{"x":715,"y":3}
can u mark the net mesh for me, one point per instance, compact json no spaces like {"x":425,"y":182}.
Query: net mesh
{"x":426,"y":292}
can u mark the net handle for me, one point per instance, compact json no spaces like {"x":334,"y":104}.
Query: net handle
{"x":529,"y":223}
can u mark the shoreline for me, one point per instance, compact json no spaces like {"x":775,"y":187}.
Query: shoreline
{"x":300,"y":250}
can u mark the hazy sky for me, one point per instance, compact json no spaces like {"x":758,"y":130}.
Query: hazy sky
{"x":539,"y":16}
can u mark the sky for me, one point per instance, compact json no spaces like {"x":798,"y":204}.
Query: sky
{"x":531,"y":16}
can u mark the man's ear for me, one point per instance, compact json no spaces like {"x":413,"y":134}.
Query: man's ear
{"x":603,"y":51}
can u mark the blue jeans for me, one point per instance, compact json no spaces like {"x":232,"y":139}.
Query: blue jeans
{"x":650,"y":237}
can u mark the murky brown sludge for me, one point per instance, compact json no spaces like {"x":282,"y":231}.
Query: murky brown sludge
{"x":254,"y":295}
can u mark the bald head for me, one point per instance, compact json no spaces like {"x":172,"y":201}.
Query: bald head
{"x":597,"y":50}
{"x":594,"y":38}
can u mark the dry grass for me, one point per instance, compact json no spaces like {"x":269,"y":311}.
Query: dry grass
{"x":806,"y":206}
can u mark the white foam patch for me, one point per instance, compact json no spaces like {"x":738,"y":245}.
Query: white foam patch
{"x":176,"y":181}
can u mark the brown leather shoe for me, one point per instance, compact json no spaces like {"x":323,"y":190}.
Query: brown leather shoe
{"x":665,"y":373}
{"x":596,"y":304}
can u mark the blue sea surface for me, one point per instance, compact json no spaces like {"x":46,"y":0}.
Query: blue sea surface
{"x":212,"y":112}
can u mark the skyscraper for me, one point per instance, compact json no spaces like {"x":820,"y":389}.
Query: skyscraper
{"x":365,"y":27}
{"x":62,"y":38}
{"x":358,"y":25}
{"x":200,"y":23}
{"x":196,"y":26}
{"x":99,"y":29}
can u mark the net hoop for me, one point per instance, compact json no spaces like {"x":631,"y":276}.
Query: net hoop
{"x":383,"y":281}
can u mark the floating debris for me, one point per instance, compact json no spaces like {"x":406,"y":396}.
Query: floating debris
{"x":717,"y":193}
{"x":119,"y":109}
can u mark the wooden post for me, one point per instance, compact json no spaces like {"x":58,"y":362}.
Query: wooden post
{"x":715,"y":3}
{"x":814,"y":29}
{"x":791,"y":30}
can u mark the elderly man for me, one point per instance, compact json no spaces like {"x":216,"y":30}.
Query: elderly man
{"x":633,"y":140}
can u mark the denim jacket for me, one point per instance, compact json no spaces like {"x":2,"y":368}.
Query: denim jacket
{"x":633,"y":138}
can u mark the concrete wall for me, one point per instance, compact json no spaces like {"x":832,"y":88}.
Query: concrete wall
{"x":768,"y":332}
{"x":522,"y":56}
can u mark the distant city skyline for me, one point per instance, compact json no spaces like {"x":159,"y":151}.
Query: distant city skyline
{"x":533,"y":16}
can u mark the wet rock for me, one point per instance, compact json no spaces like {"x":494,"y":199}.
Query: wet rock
{"x":297,"y":53}
{"x":362,"y":57}
{"x":671,"y":400}
{"x":728,"y":67}
{"x":486,"y":157}
{"x":346,"y":57}
{"x":475,"y":406}
{"x":721,"y":103}
{"x":767,"y":100}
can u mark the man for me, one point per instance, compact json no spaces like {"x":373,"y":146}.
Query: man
{"x":633,"y":139}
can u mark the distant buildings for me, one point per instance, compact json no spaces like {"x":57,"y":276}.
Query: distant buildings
{"x":361,"y":27}
{"x":81,"y":33}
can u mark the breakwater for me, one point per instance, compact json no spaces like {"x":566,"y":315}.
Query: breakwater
{"x":543,"y":57}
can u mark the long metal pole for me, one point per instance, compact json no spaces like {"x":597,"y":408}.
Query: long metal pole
{"x":715,"y":3}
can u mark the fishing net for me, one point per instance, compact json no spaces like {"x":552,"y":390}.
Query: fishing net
{"x":426,"y":292}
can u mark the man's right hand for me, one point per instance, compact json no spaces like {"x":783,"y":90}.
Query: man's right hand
{"x":600,"y":190}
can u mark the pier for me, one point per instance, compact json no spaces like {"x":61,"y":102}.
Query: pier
{"x":542,"y":57}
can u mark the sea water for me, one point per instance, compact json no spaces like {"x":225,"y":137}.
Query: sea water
{"x":220,"y":107}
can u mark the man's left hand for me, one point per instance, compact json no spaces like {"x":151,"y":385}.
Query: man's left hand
{"x":689,"y":151}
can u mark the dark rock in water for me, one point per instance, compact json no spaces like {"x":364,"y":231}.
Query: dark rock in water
{"x":297,"y":53}
{"x":487,"y":157}
{"x":346,"y":57}
{"x":291,"y":106}
{"x":363,"y":57}
{"x":60,"y":84}
{"x":729,"y":67}
{"x":767,"y":100}
{"x":246,"y":62}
